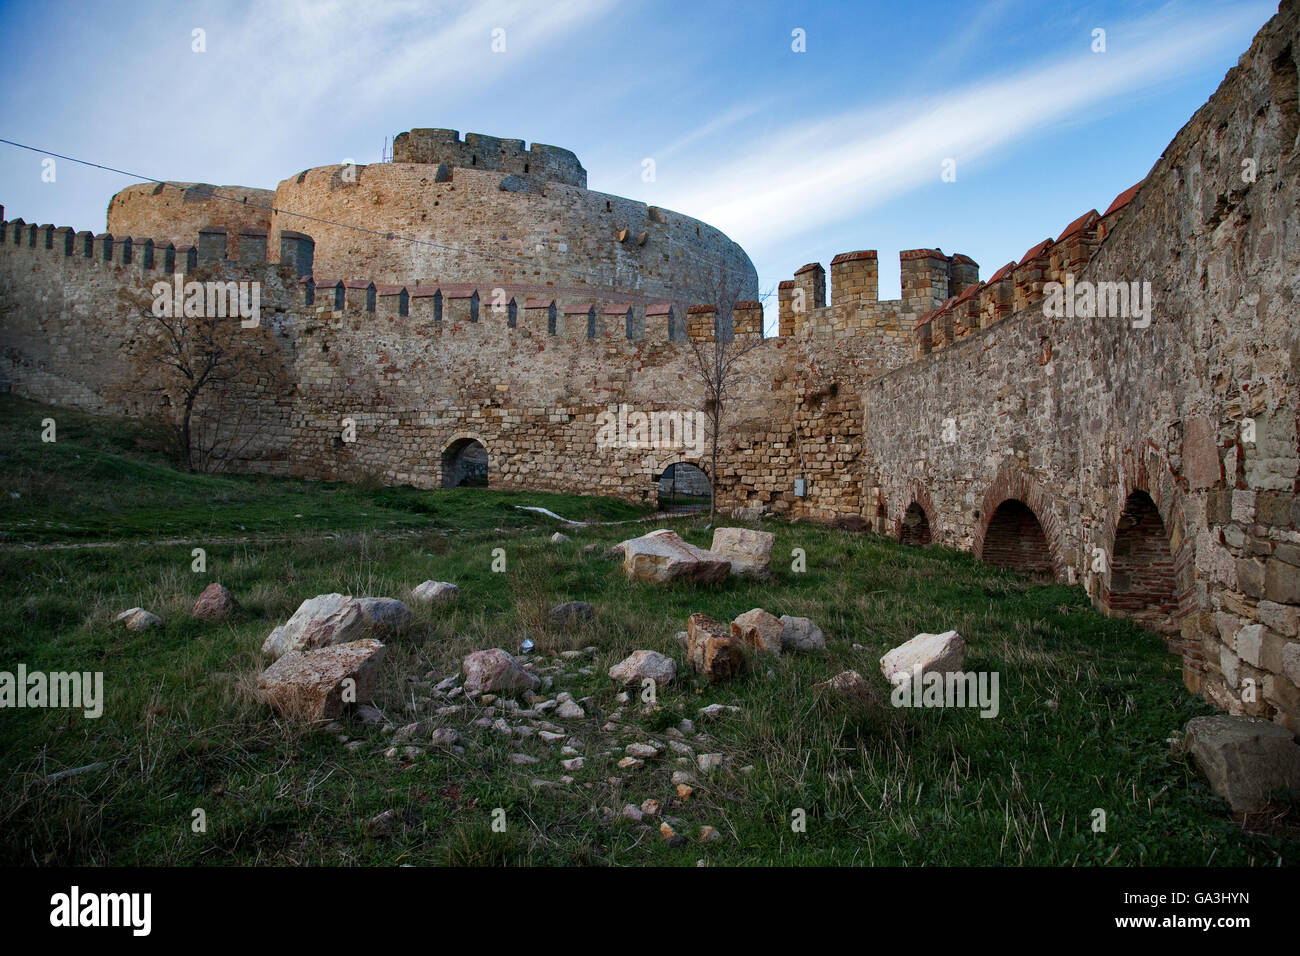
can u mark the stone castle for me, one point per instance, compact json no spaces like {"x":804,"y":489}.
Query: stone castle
{"x":1154,"y":461}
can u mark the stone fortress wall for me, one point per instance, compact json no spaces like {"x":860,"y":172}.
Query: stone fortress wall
{"x":1156,"y":466}
{"x":175,"y":212}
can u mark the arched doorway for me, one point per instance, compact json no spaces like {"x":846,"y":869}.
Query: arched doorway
{"x":684,"y":487}
{"x":1142,"y":582}
{"x":1015,"y":540}
{"x":465,"y":464}
{"x":916,"y":526}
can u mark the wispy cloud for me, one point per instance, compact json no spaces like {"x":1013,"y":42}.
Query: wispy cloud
{"x":838,"y":166}
{"x":358,"y":56}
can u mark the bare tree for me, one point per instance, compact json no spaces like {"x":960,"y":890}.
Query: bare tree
{"x":715,"y":363}
{"x":198,"y":374}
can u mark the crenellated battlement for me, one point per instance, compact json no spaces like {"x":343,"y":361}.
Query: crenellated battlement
{"x":517,"y":316}
{"x":574,"y":313}
{"x":540,"y":164}
{"x":1018,"y":285}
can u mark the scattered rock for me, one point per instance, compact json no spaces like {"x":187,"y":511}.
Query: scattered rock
{"x":682,"y":778}
{"x":370,"y":716}
{"x":708,"y":834}
{"x":384,"y":823}
{"x":572,"y":612}
{"x":852,"y":687}
{"x":630,"y":763}
{"x":801,"y":634}
{"x":523,"y":760}
{"x":750,"y":552}
{"x":575,"y":763}
{"x":650,"y":808}
{"x":663,"y":556}
{"x":444,"y":738}
{"x":670,"y":835}
{"x":714,"y":711}
{"x":943,"y":653}
{"x":214,"y":603}
{"x":760,"y":630}
{"x":569,"y":711}
{"x":644,"y":665}
{"x":641,"y":751}
{"x":496,"y":671}
{"x":138,"y":619}
{"x":684,"y":791}
{"x":711,"y":650}
{"x":560,"y":538}
{"x":632,"y":812}
{"x":709,"y":762}
{"x":1248,"y":761}
{"x":435,"y":592}
{"x":309,"y":685}
{"x":338,"y":619}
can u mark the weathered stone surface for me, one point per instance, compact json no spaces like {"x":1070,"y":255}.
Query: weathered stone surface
{"x":310,"y":684}
{"x":801,"y":634}
{"x":760,"y":630}
{"x":214,"y":603}
{"x":1291,"y":663}
{"x":939,"y":402}
{"x":435,"y":592}
{"x":711,"y":650}
{"x":1283,"y":618}
{"x":645,"y":665}
{"x":750,"y":552}
{"x":852,"y":687}
{"x":1247,"y":760}
{"x":664,"y":556}
{"x":942,"y":653}
{"x":496,"y":672}
{"x":572,"y":612}
{"x":138,"y":619}
{"x":338,"y":619}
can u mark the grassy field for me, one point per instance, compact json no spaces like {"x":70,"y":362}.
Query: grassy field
{"x":1087,"y":703}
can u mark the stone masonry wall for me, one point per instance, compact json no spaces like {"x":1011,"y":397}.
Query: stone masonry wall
{"x":1159,"y":461}
{"x":474,"y":231}
{"x":1198,"y":410}
{"x":175,"y":212}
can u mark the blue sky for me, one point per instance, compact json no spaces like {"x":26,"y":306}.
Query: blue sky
{"x":796,"y":155}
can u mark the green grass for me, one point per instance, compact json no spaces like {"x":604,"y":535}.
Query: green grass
{"x":1087,"y":703}
{"x":108,"y":479}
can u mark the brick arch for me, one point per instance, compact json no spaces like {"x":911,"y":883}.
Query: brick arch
{"x":916,"y":494}
{"x":451,"y":449}
{"x":1013,"y":482}
{"x":1146,"y":472}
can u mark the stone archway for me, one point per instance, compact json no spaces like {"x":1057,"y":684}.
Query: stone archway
{"x":915,"y":527}
{"x":1141,"y":582}
{"x":683,"y":486}
{"x":1152,"y":548}
{"x":1027,"y":533}
{"x":465,"y":464}
{"x":1014,"y":538}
